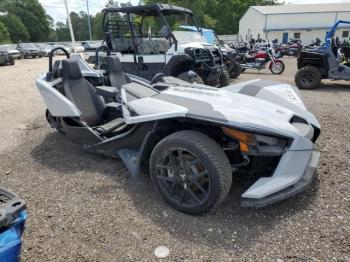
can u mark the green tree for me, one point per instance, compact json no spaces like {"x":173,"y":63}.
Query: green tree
{"x":15,"y":27}
{"x":62,"y":32}
{"x":221,"y":15}
{"x":32,"y":15}
{"x":4,"y":34}
{"x":97,"y":30}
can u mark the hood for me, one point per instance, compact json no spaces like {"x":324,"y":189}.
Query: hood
{"x":239,"y":109}
{"x":13,"y":51}
{"x":197,"y":45}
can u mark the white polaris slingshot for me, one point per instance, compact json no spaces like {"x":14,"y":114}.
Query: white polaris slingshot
{"x":192,"y":138}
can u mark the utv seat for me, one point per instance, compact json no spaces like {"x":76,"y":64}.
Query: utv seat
{"x":83,"y":94}
{"x":117,"y":76}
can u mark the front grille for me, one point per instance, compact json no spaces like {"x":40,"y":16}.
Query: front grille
{"x":202,"y":55}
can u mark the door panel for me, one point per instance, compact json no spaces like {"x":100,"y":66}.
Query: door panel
{"x":285,"y":38}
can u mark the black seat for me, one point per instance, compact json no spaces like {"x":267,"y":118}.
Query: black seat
{"x":83,"y":94}
{"x":117,"y":76}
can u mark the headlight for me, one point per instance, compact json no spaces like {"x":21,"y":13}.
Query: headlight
{"x":255,"y":144}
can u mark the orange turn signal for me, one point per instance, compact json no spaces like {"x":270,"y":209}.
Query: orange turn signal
{"x":241,"y":136}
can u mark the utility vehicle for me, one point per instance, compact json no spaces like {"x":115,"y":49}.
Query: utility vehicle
{"x":148,"y":39}
{"x":191,"y":137}
{"x":331,"y":61}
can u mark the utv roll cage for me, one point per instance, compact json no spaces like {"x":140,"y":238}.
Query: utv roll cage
{"x":114,"y":28}
{"x":332,"y":31}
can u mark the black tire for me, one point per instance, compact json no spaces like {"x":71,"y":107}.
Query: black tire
{"x":208,"y":155}
{"x":11,"y":61}
{"x":54,"y":122}
{"x":235,"y":69}
{"x":308,"y":77}
{"x":224,"y":79}
{"x":243,"y":69}
{"x":278,"y":71}
{"x":195,"y":78}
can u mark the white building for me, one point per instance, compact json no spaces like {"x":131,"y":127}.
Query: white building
{"x":306,"y":22}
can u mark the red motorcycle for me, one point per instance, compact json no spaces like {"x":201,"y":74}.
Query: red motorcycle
{"x":259,"y":61}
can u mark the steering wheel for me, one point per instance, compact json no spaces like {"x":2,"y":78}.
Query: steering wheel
{"x":100,"y":48}
{"x":52,"y":52}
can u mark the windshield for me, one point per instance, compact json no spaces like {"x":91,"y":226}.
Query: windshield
{"x":154,"y":26}
{"x":187,"y":36}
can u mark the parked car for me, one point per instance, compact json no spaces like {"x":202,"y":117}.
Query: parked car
{"x":89,"y":45}
{"x":28,"y":50}
{"x":5,"y":57}
{"x":45,"y":49}
{"x":77,"y":48}
{"x":11,"y":49}
{"x":60,"y":52}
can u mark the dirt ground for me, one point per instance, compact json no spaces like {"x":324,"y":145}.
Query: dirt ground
{"x":85,"y":207}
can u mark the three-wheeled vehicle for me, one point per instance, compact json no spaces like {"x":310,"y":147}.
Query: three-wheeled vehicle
{"x":331,"y":61}
{"x":191,"y":137}
{"x":148,"y":40}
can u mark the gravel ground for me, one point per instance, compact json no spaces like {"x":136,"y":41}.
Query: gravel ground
{"x":84,"y":207}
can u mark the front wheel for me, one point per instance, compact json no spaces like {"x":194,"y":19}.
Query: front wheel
{"x":224,"y":79}
{"x":308,"y":77}
{"x":277,"y":68}
{"x":235,"y":69}
{"x":190,"y":171}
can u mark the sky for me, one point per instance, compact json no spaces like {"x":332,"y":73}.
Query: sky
{"x":56,"y":9}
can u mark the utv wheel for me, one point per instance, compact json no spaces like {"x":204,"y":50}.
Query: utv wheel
{"x":190,"y":171}
{"x":277,"y":68}
{"x":308,"y":77}
{"x":195,"y":78}
{"x":224,"y":79}
{"x":235,"y":69}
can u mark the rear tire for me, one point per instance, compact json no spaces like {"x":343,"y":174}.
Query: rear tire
{"x":191,"y":172}
{"x":308,"y":77}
